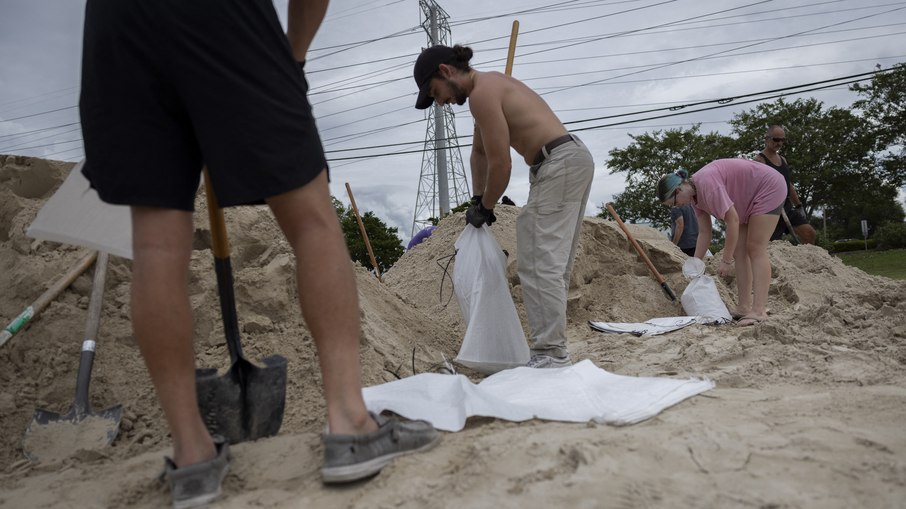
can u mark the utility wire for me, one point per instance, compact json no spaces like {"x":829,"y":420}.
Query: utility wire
{"x":721,"y":52}
{"x":722,"y":103}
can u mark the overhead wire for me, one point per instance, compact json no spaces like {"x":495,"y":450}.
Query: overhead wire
{"x":673,"y":110}
{"x":560,"y":4}
{"x":721,"y":52}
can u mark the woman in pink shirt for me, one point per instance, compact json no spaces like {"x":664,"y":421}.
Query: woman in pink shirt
{"x":747,"y":196}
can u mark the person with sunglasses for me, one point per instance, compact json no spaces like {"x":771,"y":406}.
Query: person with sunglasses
{"x":747,"y":196}
{"x":774,"y":141}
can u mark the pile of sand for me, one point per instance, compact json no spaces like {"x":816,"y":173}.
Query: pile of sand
{"x":808,"y":408}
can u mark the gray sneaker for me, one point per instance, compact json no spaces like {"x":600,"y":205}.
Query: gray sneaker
{"x":542,"y":361}
{"x":352,"y":457}
{"x":198,"y":484}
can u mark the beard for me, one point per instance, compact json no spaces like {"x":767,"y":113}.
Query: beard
{"x":459,"y":94}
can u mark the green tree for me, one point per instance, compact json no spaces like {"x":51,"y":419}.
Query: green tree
{"x":883,"y":106}
{"x":650,"y":156}
{"x":831,"y":153}
{"x":386,"y":245}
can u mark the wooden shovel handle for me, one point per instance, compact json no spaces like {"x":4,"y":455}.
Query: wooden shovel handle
{"x":220,"y":243}
{"x":657,"y":275}
{"x":49,"y":295}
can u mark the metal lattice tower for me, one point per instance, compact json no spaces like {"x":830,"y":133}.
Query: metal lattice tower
{"x":443,"y":178}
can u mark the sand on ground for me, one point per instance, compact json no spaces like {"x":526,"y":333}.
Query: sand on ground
{"x":808,"y":411}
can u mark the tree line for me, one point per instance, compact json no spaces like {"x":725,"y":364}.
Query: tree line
{"x":847,"y":164}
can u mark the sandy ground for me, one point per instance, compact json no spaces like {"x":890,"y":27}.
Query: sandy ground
{"x":809,"y":408}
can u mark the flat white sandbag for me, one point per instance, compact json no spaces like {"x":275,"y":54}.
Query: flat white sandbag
{"x":651,"y":327}
{"x":494,"y":338}
{"x":579,"y":393}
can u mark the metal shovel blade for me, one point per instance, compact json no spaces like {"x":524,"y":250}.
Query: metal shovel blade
{"x":246,"y":402}
{"x":52,"y":437}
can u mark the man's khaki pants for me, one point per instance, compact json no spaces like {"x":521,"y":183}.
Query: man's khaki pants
{"x":547,"y":233}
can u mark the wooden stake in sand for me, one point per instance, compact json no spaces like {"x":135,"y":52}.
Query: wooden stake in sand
{"x":377,"y":270}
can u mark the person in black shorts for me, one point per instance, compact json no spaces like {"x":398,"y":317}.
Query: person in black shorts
{"x":774,"y":140}
{"x":170,"y":86}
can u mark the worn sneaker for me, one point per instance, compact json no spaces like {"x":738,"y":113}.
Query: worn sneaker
{"x":542,"y":361}
{"x":198,"y":484}
{"x":352,"y":457}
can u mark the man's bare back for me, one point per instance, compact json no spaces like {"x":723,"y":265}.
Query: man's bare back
{"x":529,"y":119}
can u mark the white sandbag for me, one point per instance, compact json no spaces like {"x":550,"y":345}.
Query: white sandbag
{"x":494,"y":338}
{"x":579,"y":393}
{"x":701,"y":297}
{"x":651,"y":327}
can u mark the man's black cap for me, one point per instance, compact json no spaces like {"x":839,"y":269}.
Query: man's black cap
{"x":425,"y":67}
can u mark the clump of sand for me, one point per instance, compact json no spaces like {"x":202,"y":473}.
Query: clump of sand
{"x":808,"y":408}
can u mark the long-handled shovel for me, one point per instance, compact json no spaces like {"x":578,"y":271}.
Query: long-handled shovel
{"x":789,"y":227}
{"x":246,"y":402}
{"x":35,"y":308}
{"x":657,"y":275}
{"x":51,"y":436}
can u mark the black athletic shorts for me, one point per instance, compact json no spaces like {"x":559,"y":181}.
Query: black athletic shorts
{"x":169,"y":86}
{"x":796,"y":217}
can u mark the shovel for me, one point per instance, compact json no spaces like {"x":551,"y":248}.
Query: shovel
{"x":246,"y":402}
{"x":51,"y":436}
{"x":657,"y":275}
{"x":789,"y":227}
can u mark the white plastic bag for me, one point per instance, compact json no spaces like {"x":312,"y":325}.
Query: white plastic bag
{"x":494,"y":338}
{"x":701,"y":297}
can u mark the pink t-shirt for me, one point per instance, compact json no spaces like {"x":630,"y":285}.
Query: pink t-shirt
{"x":754,"y":188}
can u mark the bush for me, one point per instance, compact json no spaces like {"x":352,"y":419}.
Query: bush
{"x":841,"y":246}
{"x":891,"y":236}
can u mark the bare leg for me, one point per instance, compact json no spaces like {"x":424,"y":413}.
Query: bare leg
{"x":760,"y":228}
{"x":743,"y":273}
{"x":162,"y":247}
{"x":327,"y":294}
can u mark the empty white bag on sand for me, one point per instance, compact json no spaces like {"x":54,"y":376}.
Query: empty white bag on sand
{"x":494,"y":338}
{"x":701,"y":297}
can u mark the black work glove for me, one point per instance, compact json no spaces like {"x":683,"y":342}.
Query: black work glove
{"x":477,"y":215}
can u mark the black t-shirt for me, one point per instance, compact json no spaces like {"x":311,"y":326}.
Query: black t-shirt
{"x":784,"y":168}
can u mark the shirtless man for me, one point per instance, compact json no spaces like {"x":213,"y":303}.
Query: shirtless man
{"x":509,"y":114}
{"x":774,"y":140}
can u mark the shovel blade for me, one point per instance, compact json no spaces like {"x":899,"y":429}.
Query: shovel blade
{"x":246,"y":402}
{"x":52,"y":437}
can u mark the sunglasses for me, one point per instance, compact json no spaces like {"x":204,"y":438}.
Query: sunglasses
{"x":779,"y":140}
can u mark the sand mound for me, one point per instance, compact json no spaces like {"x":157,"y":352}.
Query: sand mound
{"x":830,"y":360}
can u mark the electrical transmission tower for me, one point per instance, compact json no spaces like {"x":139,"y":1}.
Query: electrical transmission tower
{"x":442,"y":179}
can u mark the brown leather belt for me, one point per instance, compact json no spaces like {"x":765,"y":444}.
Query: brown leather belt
{"x":551,"y":146}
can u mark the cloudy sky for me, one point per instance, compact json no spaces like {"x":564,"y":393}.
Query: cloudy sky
{"x":608,"y":68}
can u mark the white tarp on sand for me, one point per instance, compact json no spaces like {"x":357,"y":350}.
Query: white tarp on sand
{"x":579,"y":393}
{"x":652,"y":327}
{"x":75,"y":215}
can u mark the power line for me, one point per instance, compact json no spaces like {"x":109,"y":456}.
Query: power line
{"x":722,"y":103}
{"x":721,"y":52}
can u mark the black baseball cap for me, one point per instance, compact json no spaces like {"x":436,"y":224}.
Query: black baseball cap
{"x":425,"y":67}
